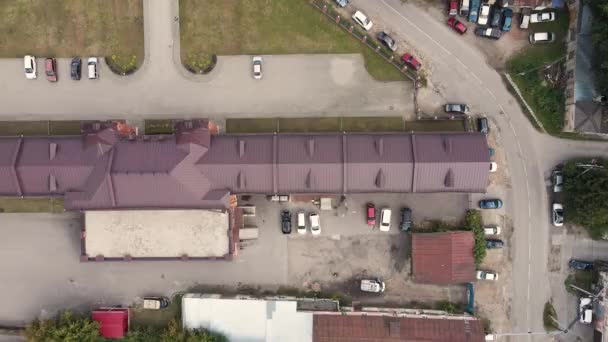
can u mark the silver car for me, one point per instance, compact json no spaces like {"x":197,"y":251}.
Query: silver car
{"x":257,"y":67}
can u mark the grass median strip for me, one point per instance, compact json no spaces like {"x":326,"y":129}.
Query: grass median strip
{"x":31,"y":205}
{"x":39,"y":128}
{"x":234,"y":27}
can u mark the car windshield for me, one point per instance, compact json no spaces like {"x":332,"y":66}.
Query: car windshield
{"x":29,"y":69}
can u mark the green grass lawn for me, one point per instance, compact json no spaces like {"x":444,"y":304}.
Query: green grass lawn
{"x":158,"y":126}
{"x":67,"y":28}
{"x":235,"y":27}
{"x":38,"y":128}
{"x":31,"y":205}
{"x":548,"y":103}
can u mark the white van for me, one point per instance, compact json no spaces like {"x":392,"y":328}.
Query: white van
{"x":301,"y":222}
{"x":315,"y":224}
{"x":92,"y":67}
{"x":464,"y":8}
{"x":372,"y":285}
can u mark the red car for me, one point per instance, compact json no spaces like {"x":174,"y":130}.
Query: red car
{"x":453,"y":8}
{"x":411,"y":61}
{"x":371,"y":214}
{"x":457,"y":25}
{"x":51,"y":69}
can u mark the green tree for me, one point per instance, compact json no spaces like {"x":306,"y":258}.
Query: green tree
{"x":472,"y":222}
{"x":586,"y":196}
{"x":67,"y":327}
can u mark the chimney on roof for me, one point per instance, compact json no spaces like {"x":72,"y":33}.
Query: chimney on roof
{"x":311,"y":147}
{"x":52,"y":183}
{"x":380,"y":179}
{"x":449,"y":179}
{"x":241,"y":148}
{"x":310,"y":180}
{"x":240,"y":180}
{"x":52,"y":151}
{"x":447,"y":144}
{"x":379,"y":146}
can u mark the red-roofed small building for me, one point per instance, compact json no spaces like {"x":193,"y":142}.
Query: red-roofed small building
{"x":443,"y":258}
{"x":113,"y":322}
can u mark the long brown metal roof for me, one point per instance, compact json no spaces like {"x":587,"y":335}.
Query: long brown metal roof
{"x":193,"y":169}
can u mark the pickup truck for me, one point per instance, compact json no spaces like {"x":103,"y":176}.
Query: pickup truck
{"x":372,"y":285}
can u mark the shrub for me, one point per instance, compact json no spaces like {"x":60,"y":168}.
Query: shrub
{"x":472,"y":222}
{"x":67,"y":327}
{"x":549,"y":317}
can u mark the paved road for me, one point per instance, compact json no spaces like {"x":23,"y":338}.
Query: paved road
{"x":463,"y":72}
{"x":295,"y":85}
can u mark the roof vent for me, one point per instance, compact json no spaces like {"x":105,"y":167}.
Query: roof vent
{"x":241,"y":148}
{"x":310,"y":179}
{"x":379,"y":146}
{"x":52,"y":183}
{"x":52,"y":151}
{"x":380,"y":179}
{"x":447,"y":144}
{"x":311,"y":147}
{"x":449,"y":179}
{"x":240,"y":180}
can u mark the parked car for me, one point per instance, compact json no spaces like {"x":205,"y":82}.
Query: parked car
{"x":363,"y":20}
{"x":50,"y":68}
{"x":493,"y":203}
{"x":257,"y":67}
{"x":92,"y":68}
{"x":482,"y":125}
{"x":406,"y":219}
{"x":490,"y":33}
{"x":29,"y":64}
{"x":542,"y":17}
{"x":342,"y":3}
{"x":372,"y":285}
{"x":484,"y":14}
{"x":494,"y":243}
{"x":496,"y":17}
{"x":301,"y":222}
{"x":474,"y":11}
{"x":315,"y":223}
{"x":464,"y":8}
{"x":156,"y":303}
{"x":385,"y":219}
{"x":411,"y":61}
{"x":505,"y":3}
{"x":541,"y":37}
{"x":456,"y":108}
{"x":491,"y":152}
{"x":491,"y":229}
{"x":457,"y":25}
{"x":524,"y":19}
{"x":585,"y":311}
{"x":507,"y":19}
{"x":75,"y":68}
{"x":580,"y":264}
{"x":493,"y":166}
{"x":486,"y":275}
{"x":387,"y":40}
{"x":286,"y":222}
{"x":453,"y":5}
{"x":558,"y":214}
{"x":371,"y":214}
{"x":558,"y":181}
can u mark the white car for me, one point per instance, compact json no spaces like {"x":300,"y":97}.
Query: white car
{"x":385,"y":220}
{"x":372,"y":285}
{"x":557,"y":214}
{"x":493,"y":166}
{"x":486,"y":275}
{"x":257,"y":67}
{"x":491,"y":230}
{"x":92,"y":68}
{"x":315,"y":224}
{"x":301,"y":221}
{"x":29,"y":63}
{"x":363,"y":20}
{"x":541,"y":37}
{"x":585,"y":311}
{"x":542,"y":17}
{"x":484,"y":14}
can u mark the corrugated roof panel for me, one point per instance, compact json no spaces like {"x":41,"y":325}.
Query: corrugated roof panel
{"x":7,"y":150}
{"x":379,"y":148}
{"x":69,"y":151}
{"x":34,"y":179}
{"x":467,"y":177}
{"x":224,"y":149}
{"x":323,"y":178}
{"x":7,"y":182}
{"x":309,"y":149}
{"x":361,"y":177}
{"x":146,"y":156}
{"x":464,"y":147}
{"x":443,"y":258}
{"x":257,"y":178}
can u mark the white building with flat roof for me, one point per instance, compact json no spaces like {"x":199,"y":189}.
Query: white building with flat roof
{"x":247,"y":320}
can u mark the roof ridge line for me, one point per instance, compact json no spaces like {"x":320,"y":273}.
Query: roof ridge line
{"x":16,"y":155}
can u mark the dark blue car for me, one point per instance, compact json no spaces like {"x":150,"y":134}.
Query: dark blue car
{"x":493,"y":203}
{"x":507,"y":20}
{"x":494,"y":243}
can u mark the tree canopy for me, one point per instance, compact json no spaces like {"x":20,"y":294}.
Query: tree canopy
{"x":67,"y":327}
{"x":586,"y":195}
